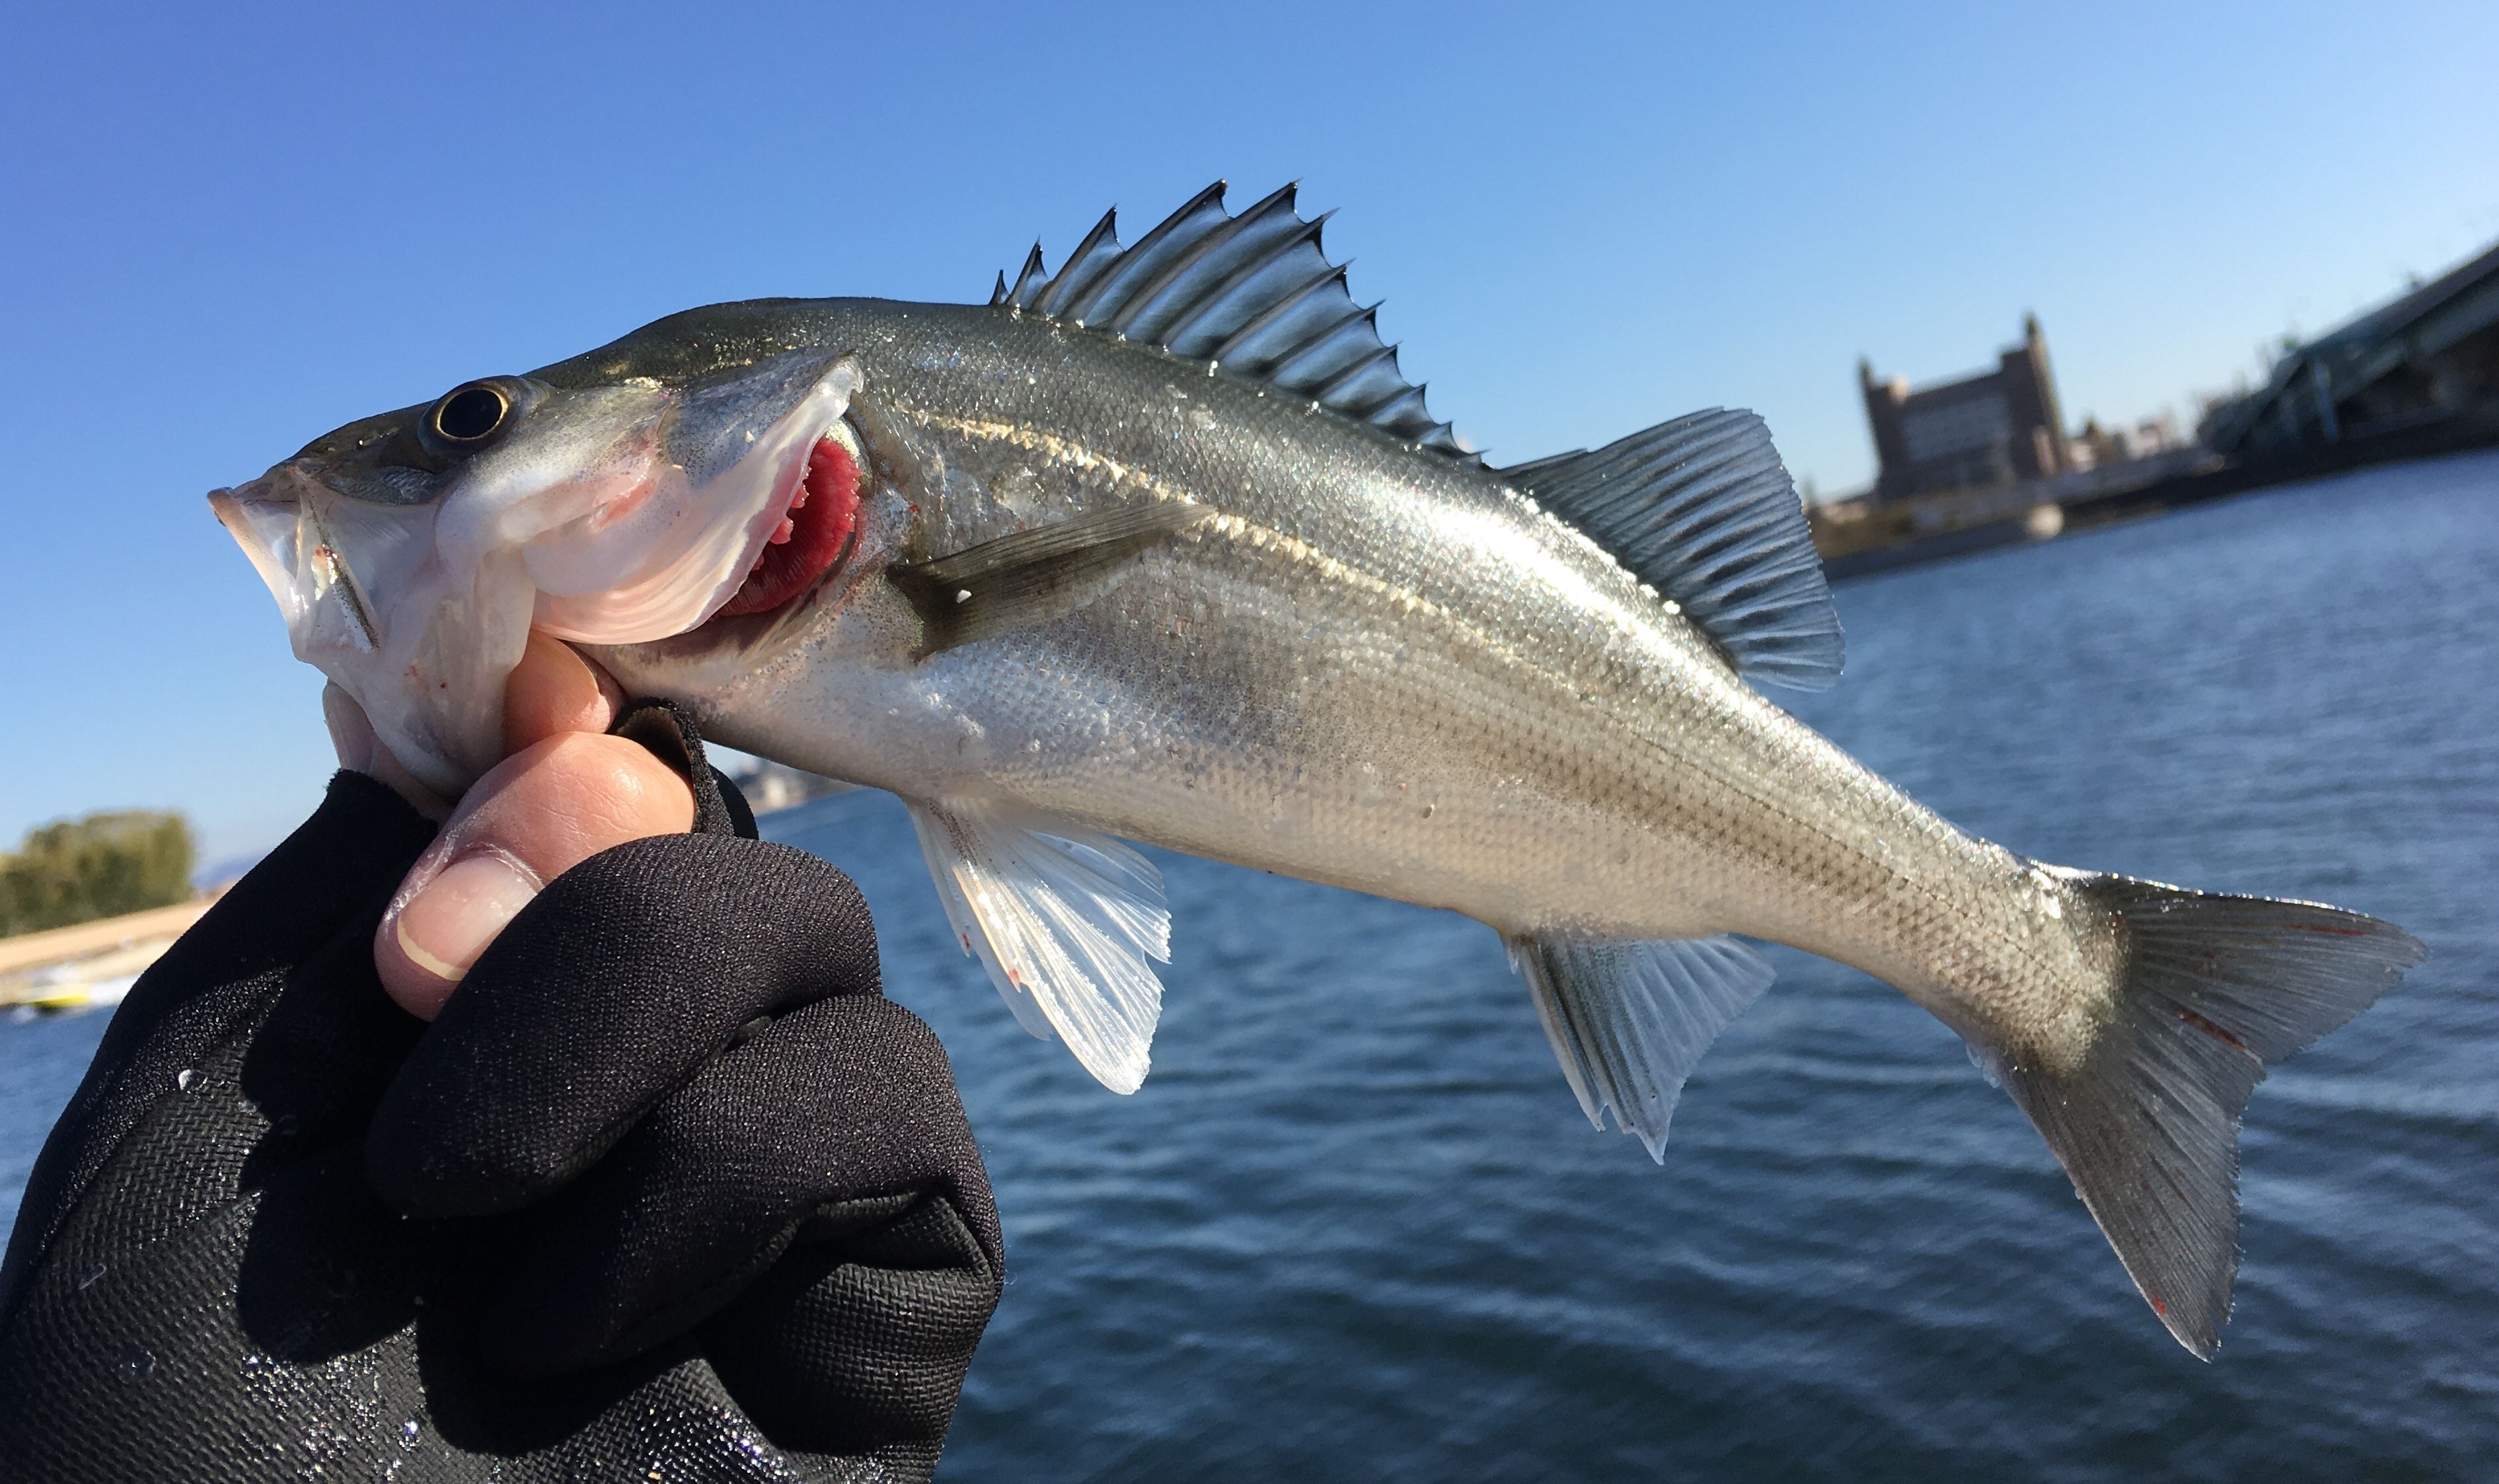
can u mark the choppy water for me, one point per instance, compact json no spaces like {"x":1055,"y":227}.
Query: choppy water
{"x":1354,"y":1228}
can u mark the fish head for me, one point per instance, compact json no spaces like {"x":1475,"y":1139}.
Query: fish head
{"x":412,"y":553}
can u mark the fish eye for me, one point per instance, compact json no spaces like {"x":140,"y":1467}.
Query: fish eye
{"x":468,"y":419}
{"x":471,"y":414}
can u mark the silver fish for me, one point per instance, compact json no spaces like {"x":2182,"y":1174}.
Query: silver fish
{"x":1163,"y":546}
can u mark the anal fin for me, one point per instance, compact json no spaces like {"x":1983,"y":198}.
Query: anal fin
{"x":1068,"y":923}
{"x":1629,"y":1020}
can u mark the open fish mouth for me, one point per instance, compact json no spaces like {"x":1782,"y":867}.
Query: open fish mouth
{"x":277,"y":520}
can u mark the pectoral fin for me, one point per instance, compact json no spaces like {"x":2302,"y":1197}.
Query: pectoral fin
{"x":1031,"y":575}
{"x":1067,"y":921}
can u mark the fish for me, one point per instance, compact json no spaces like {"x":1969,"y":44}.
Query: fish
{"x":1162,"y":547}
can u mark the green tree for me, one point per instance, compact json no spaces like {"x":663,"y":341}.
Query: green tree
{"x":101,"y":867}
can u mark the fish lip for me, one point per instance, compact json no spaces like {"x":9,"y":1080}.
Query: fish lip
{"x":227,"y":506}
{"x":253,"y":513}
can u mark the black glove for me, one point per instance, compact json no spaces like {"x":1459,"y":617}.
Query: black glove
{"x":669,"y":1191}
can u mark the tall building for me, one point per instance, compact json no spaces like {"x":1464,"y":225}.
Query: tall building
{"x":1992,"y":429}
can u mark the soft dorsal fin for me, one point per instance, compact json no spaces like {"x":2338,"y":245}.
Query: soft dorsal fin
{"x":1702,"y":510}
{"x":1253,"y":293}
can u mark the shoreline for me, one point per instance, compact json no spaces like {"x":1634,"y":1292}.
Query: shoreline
{"x":88,"y":965}
{"x":2177,"y":491}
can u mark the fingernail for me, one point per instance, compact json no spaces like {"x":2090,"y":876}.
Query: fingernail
{"x":450,"y":923}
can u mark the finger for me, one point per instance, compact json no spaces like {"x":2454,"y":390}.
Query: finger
{"x":361,"y":751}
{"x":834,"y":1122}
{"x":555,"y":690}
{"x":552,"y":692}
{"x":624,"y":974}
{"x":536,"y":816}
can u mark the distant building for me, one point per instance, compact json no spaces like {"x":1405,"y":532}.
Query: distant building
{"x":2097,"y":447}
{"x":2428,"y":358}
{"x":1994,"y":428}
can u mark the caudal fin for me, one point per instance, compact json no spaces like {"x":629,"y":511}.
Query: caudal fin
{"x":2214,"y":988}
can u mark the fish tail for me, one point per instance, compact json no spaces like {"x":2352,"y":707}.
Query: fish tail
{"x":2210,"y":990}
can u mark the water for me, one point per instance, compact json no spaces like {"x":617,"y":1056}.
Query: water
{"x":1354,"y":1228}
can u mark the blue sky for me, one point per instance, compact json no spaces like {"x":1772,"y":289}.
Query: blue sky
{"x":230,"y":228}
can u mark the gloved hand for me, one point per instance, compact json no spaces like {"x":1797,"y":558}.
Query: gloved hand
{"x":669,"y":1191}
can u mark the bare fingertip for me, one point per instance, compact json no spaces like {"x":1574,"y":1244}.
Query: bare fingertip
{"x":610,"y":695}
{"x":554,"y":689}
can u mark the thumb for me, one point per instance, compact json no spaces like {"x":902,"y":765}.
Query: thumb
{"x":539,"y":813}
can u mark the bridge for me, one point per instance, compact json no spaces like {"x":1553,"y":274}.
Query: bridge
{"x":2421,"y":369}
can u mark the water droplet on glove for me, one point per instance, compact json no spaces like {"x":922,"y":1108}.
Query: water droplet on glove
{"x":89,"y":1275}
{"x":135,"y":1365}
{"x":190,"y":1078}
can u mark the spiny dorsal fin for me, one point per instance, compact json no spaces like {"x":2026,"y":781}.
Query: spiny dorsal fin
{"x":1253,"y":293}
{"x":1702,"y":510}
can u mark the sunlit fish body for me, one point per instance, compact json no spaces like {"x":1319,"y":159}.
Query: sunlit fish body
{"x":1162,"y":547}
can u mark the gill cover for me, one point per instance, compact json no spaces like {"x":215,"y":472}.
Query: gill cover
{"x":412,"y":562}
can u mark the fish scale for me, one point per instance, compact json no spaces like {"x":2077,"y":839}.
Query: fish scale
{"x":1229,"y":589}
